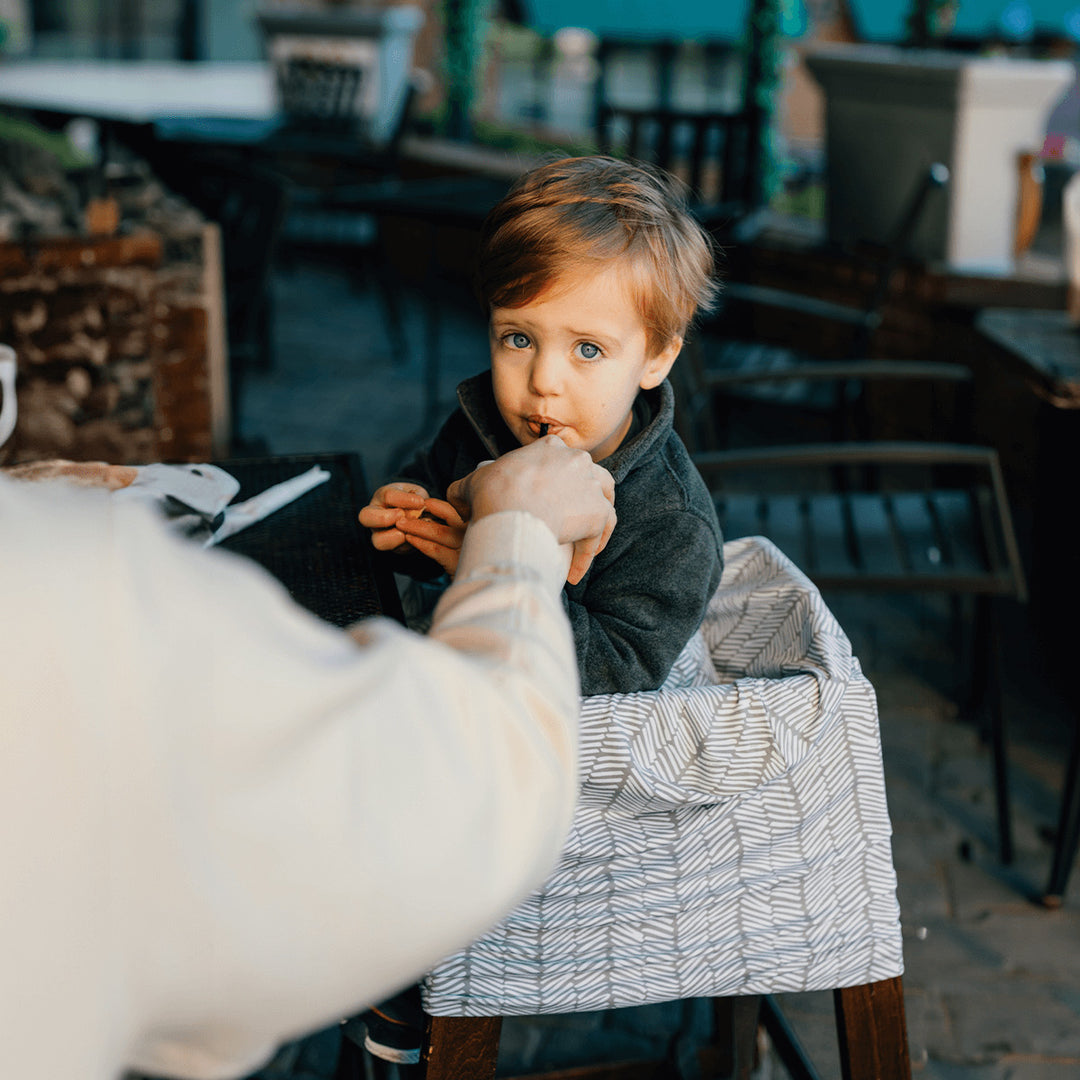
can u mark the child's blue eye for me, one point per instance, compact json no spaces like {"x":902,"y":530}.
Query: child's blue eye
{"x":518,"y":341}
{"x":588,"y":350}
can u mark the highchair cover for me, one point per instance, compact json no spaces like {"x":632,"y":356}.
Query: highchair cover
{"x":732,"y":835}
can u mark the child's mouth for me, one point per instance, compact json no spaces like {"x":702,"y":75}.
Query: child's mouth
{"x":543,"y":425}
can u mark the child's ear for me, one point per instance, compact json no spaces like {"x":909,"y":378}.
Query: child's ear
{"x":656,"y":369}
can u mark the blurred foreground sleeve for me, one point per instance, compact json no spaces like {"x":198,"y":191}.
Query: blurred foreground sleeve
{"x":236,"y":823}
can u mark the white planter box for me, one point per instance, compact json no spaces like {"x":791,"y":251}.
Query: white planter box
{"x":890,"y":112}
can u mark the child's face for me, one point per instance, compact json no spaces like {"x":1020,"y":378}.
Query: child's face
{"x":574,"y":359}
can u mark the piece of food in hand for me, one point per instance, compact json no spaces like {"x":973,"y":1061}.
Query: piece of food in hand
{"x":434,"y":510}
{"x":97,"y":474}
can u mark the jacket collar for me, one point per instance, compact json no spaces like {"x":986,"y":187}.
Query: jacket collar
{"x":477,"y":400}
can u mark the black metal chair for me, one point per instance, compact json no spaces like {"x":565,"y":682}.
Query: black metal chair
{"x":1067,"y":834}
{"x":335,"y":173}
{"x":715,"y":147}
{"x":323,"y":138}
{"x":324,"y":150}
{"x":248,"y":202}
{"x":875,"y":516}
{"x":750,"y":338}
{"x":710,"y":150}
{"x":319,"y":95}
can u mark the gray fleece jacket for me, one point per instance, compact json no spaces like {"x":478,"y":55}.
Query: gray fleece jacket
{"x":646,"y":592}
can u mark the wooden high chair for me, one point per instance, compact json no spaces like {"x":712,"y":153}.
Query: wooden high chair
{"x":731,"y":839}
{"x":870,"y":1027}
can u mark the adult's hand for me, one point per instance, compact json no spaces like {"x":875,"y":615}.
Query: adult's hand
{"x":562,"y":487}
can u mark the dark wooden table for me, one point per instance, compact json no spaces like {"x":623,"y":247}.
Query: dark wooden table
{"x":929,"y":307}
{"x":1043,"y":349}
{"x":1033,"y":358}
{"x":315,"y":546}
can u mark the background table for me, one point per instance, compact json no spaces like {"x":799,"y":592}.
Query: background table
{"x":140,"y":91}
{"x":1042,"y":346}
{"x":1043,"y":349}
{"x":1033,"y":357}
{"x":315,"y":545}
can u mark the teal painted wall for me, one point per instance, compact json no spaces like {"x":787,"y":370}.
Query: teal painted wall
{"x":883,"y":20}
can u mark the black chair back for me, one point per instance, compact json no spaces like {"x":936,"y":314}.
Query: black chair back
{"x":319,"y":94}
{"x":709,"y":150}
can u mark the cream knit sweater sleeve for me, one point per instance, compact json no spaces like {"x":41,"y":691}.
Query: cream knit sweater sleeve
{"x":227,"y":823}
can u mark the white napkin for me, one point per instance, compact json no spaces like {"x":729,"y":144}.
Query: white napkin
{"x":191,"y":497}
{"x":196,"y":498}
{"x":262,"y":505}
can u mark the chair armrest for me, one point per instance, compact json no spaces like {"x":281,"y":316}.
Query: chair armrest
{"x":852,"y":453}
{"x":812,"y":306}
{"x":814,"y":371}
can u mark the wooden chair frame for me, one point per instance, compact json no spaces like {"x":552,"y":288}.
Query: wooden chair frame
{"x":870,"y":1024}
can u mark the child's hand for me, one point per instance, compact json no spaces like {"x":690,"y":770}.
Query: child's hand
{"x":391,"y":504}
{"x":437,"y":533}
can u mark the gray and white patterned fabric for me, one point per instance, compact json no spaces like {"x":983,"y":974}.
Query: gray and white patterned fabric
{"x":732,"y":834}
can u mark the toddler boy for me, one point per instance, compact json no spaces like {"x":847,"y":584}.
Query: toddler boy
{"x":591,"y":270}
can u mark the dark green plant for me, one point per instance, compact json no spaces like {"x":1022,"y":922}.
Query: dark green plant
{"x":928,"y":21}
{"x":465,"y":25}
{"x":515,"y":141}
{"x":763,"y":66}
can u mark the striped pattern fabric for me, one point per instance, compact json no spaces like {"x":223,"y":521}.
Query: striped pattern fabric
{"x":731,"y":837}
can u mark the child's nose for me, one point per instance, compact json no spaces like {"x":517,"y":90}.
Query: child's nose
{"x":545,"y":373}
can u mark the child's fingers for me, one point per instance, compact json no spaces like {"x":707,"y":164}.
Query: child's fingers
{"x":379,"y":517}
{"x":440,"y":508}
{"x":445,"y":556}
{"x":404,"y":496}
{"x":387,"y":539}
{"x":430,"y":529}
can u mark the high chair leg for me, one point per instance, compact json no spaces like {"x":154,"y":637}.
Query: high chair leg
{"x":872,"y":1030}
{"x":460,"y":1047}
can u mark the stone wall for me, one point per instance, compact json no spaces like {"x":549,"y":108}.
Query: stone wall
{"x":114,"y":338}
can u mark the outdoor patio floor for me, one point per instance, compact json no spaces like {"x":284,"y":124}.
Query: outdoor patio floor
{"x":993,"y":980}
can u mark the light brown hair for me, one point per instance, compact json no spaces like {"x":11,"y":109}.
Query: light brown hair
{"x":562,"y":216}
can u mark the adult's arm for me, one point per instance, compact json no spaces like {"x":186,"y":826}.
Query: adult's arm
{"x":236,"y":825}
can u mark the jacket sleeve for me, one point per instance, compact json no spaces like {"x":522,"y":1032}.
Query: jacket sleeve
{"x":642,"y":601}
{"x":419,"y":470}
{"x":435,"y":466}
